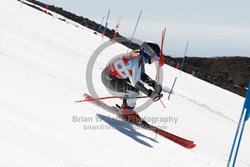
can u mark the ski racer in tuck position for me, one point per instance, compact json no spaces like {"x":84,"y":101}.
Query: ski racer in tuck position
{"x":126,"y":75}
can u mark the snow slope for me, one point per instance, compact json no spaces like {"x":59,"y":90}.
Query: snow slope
{"x":42,"y":69}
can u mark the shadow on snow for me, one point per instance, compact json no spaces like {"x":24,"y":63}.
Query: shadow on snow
{"x":127,"y":129}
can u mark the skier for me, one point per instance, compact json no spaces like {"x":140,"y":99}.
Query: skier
{"x":125,"y":73}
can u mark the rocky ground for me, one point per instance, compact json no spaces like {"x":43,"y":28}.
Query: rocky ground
{"x":231,"y":73}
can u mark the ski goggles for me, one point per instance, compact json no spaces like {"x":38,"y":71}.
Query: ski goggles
{"x":153,"y":56}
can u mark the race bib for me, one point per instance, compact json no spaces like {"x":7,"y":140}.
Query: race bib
{"x":121,"y":69}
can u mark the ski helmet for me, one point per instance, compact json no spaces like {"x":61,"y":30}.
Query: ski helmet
{"x":150,"y":50}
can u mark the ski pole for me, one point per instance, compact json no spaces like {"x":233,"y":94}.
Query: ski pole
{"x":108,"y":97}
{"x":162,"y":103}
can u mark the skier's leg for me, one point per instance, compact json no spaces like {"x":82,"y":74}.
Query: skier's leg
{"x":127,"y":91}
{"x":130,"y":100}
{"x":121,"y":86}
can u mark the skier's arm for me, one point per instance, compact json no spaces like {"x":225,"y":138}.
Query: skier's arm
{"x":156,"y":94}
{"x":145,"y":78}
{"x":136,"y":77}
{"x":136,"y":71}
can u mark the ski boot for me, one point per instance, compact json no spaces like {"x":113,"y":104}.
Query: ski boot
{"x":129,"y":114}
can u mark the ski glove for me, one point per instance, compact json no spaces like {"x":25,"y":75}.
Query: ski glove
{"x":152,"y":83}
{"x":156,"y":94}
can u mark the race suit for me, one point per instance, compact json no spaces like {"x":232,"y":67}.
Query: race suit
{"x":124,"y":75}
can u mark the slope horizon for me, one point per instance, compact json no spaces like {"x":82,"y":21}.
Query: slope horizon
{"x":90,"y":23}
{"x":231,"y":73}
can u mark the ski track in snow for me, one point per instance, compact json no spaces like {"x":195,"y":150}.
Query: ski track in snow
{"x":207,"y":107}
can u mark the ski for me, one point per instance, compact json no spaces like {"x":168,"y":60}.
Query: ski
{"x":138,"y":121}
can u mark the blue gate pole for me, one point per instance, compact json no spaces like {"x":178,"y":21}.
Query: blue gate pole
{"x":182,"y":64}
{"x":106,"y":24}
{"x":100,"y":26}
{"x":138,"y":19}
{"x":247,"y":108}
{"x":238,"y":145}
{"x":235,"y":138}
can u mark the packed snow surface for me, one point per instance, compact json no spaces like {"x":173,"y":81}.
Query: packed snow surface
{"x":43,"y":63}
